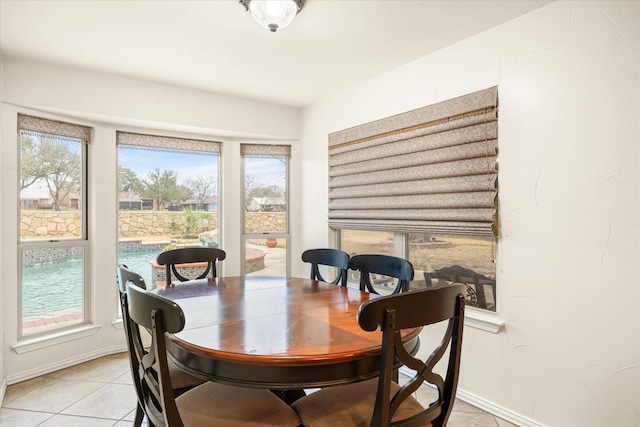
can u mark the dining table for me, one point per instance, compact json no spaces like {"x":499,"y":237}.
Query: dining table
{"x":275,"y":332}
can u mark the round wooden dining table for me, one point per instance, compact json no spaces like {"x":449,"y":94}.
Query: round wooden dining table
{"x":274,"y":332}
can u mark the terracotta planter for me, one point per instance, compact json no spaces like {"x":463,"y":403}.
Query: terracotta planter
{"x":271,"y":243}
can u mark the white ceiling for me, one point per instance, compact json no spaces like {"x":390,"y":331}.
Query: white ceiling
{"x":216,"y":46}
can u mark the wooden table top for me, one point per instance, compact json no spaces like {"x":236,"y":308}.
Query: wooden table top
{"x":274,"y":332}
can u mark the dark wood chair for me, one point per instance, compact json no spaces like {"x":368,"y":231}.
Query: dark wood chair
{"x":210,"y":404}
{"x":329,"y":257}
{"x":180,"y":380}
{"x":380,"y":402}
{"x":385,"y":265}
{"x":170,"y":259}
{"x":476,"y":296}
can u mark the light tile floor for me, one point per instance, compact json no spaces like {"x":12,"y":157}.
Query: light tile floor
{"x":100,"y":393}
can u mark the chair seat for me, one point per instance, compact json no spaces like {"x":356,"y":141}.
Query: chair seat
{"x":348,"y":406}
{"x":214,"y":404}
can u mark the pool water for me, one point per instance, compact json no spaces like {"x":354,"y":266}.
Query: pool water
{"x":53,"y":289}
{"x":139,"y":262}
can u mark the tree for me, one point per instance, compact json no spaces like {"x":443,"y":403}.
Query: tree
{"x":255,"y":189}
{"x":250,"y":183}
{"x":161,"y":187}
{"x":62,"y":164}
{"x":201,"y":188}
{"x":267,"y":191}
{"x":182,"y":193}
{"x":31,"y":166}
{"x":128,"y":180}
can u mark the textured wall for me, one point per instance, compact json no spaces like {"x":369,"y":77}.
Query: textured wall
{"x":567,"y":264}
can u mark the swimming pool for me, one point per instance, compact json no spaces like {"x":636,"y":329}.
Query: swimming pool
{"x":139,"y":262}
{"x":52,"y":289}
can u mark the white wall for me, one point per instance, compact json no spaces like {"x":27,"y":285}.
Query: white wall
{"x":3,"y":382}
{"x":107,"y":103}
{"x":567,"y":267}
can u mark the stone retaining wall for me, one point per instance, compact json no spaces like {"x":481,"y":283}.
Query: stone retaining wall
{"x":266,"y":221}
{"x":49,"y":224}
{"x":59,"y":224}
{"x":161,"y":223}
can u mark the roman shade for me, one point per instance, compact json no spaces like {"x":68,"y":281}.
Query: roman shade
{"x":430,"y":170}
{"x":36,"y":126}
{"x":265,"y":150}
{"x":166,"y":143}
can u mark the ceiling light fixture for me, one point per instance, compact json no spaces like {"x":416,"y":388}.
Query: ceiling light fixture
{"x":273,"y":14}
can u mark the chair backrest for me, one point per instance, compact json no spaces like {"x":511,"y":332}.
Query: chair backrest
{"x":456,"y":274}
{"x":127,"y":276}
{"x":158,"y":315}
{"x":189,"y":256}
{"x":330,"y":257}
{"x":386,"y":265}
{"x":413,"y":309}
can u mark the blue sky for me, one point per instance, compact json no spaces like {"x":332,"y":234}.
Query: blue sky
{"x":189,"y":165}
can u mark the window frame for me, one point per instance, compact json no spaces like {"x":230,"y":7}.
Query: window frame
{"x":155,"y":140}
{"x":34,"y":244}
{"x":478,"y":318}
{"x":286,"y":235}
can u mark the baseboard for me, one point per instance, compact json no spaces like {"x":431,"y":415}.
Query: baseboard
{"x":3,"y":390}
{"x":496,"y":410}
{"x":487,"y":406}
{"x":47,"y":369}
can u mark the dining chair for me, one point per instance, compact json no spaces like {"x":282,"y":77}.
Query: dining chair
{"x":386,"y":265}
{"x":210,"y":404}
{"x":181,"y":381}
{"x":381,"y":402}
{"x":174,"y":257}
{"x":329,"y":257}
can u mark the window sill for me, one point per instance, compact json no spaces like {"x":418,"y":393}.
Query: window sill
{"x":33,"y":344}
{"x":482,"y":319}
{"x":118,"y":324}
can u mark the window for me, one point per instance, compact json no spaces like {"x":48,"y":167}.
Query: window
{"x":429,"y":177}
{"x":266,"y":222}
{"x":168,"y":198}
{"x":359,"y":242}
{"x":53,"y":243}
{"x":442,"y":258}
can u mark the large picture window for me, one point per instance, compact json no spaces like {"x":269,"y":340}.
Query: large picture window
{"x":429,"y":176}
{"x":168,"y":198}
{"x":53,"y":243}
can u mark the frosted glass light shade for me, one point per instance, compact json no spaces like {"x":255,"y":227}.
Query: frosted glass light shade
{"x":273,"y":14}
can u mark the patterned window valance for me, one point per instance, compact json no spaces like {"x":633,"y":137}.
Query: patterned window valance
{"x":167,"y":143}
{"x":433,"y":169}
{"x":265,"y":150}
{"x":53,"y":129}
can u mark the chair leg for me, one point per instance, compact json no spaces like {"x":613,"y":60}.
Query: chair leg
{"x":137,"y":422}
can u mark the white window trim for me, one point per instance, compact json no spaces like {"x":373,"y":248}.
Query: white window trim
{"x":82,"y":241}
{"x":54,"y":338}
{"x":118,"y":324}
{"x":483,"y":319}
